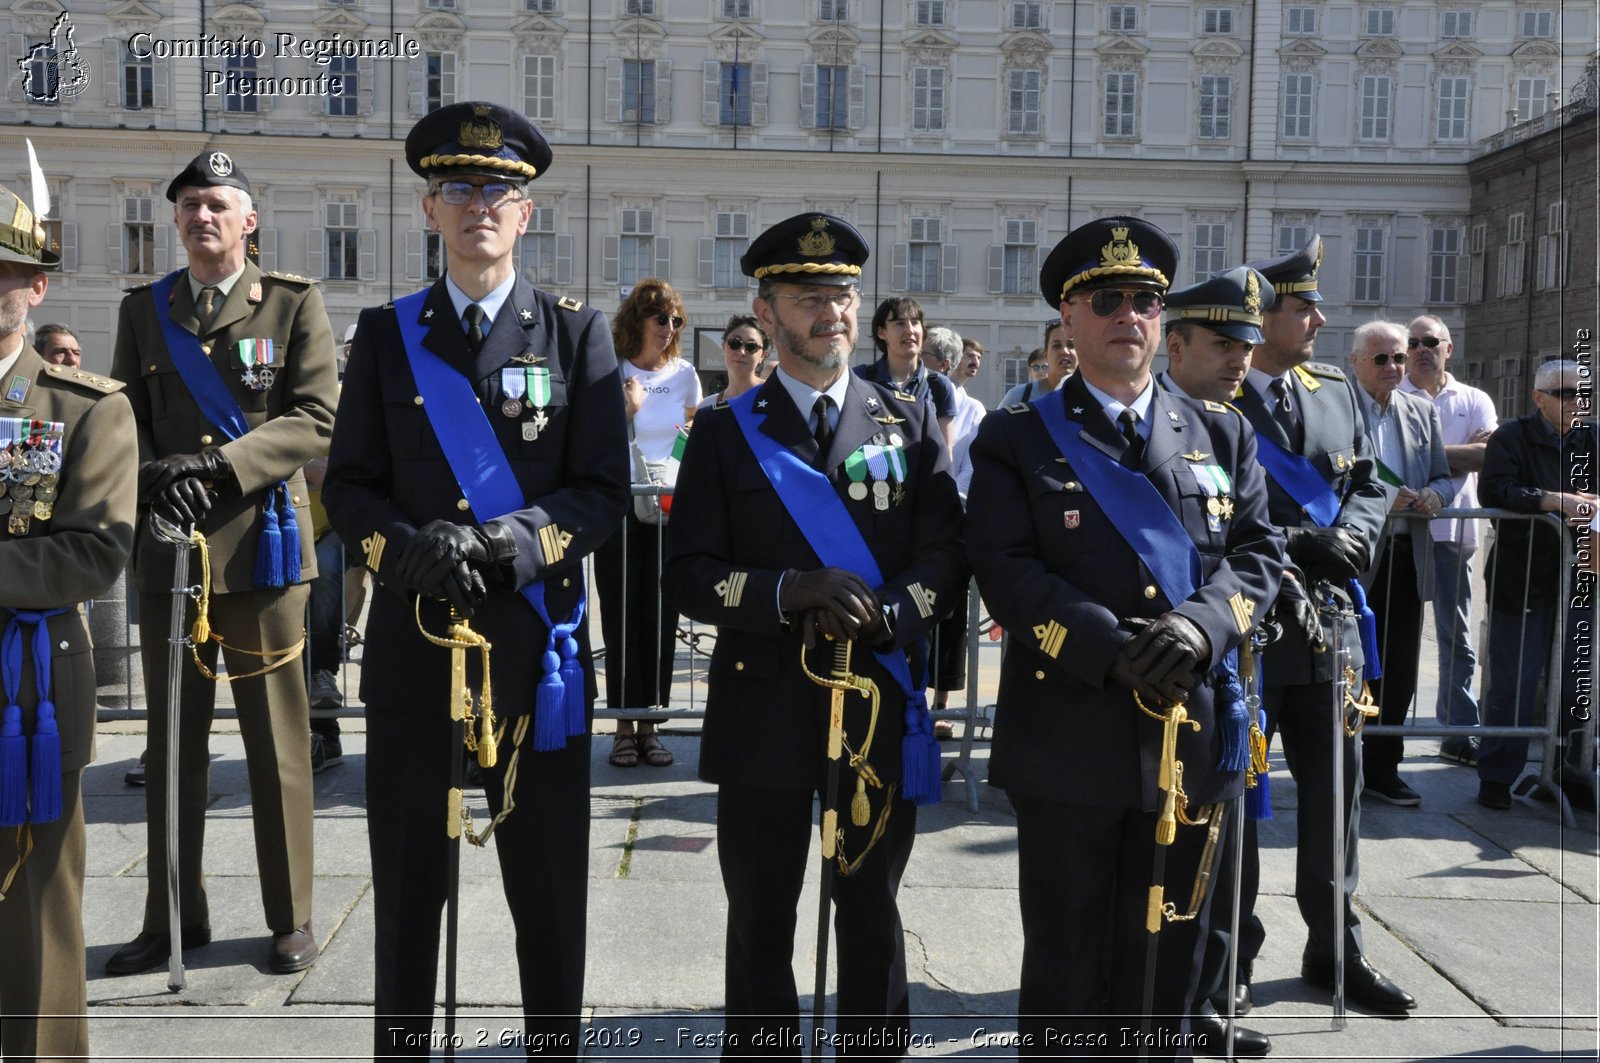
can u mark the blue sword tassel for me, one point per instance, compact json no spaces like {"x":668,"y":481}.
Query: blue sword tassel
{"x":1233,"y":719}
{"x":14,"y":775}
{"x":1367,"y":624}
{"x":289,"y":532}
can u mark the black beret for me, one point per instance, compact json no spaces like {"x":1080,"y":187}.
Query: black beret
{"x":475,"y":138}
{"x":1295,"y":274}
{"x":810,"y":248}
{"x":1229,"y":303}
{"x":207,"y":169}
{"x":1106,"y":252}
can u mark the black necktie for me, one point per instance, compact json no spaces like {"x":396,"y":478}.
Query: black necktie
{"x":474,"y":318}
{"x":1285,"y":413}
{"x":823,"y":432}
{"x":1128,"y":421}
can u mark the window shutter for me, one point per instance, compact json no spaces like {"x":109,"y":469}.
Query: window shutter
{"x":316,"y":253}
{"x":898,"y":259}
{"x":416,"y":250}
{"x":218,"y":101}
{"x":858,"y":97}
{"x":69,"y":246}
{"x":10,"y":55}
{"x":563,"y":258}
{"x":948,"y":256}
{"x":366,"y":70}
{"x":712,"y":81}
{"x":264,"y":69}
{"x":758,"y":95}
{"x":267,"y":241}
{"x":663,"y":250}
{"x":164,"y":250}
{"x":808,"y":96}
{"x":417,"y":86}
{"x":613,"y":90}
{"x":663,"y":91}
{"x":707,"y":271}
{"x":112,"y":64}
{"x":997,"y":269}
{"x":316,"y":105}
{"x":609,"y":253}
{"x":163,"y":81}
{"x":114,"y":254}
{"x":367,"y":254}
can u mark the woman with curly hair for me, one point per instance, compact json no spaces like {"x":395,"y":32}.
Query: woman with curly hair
{"x":660,"y":391}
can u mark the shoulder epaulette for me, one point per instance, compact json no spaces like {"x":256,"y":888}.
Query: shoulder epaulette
{"x":1017,"y":407}
{"x":292,"y":278}
{"x":903,"y":396}
{"x":722,"y":401}
{"x":567,"y":302}
{"x":1322,"y":369}
{"x":138,"y":287}
{"x":93,"y":381}
{"x":1215,"y":407}
{"x":387,"y":306}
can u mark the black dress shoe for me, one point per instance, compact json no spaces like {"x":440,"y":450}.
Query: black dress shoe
{"x":1363,"y":984}
{"x":149,"y":951}
{"x":1210,"y":1032}
{"x":1242,"y":1001}
{"x":1495,"y":795}
{"x":294,"y":951}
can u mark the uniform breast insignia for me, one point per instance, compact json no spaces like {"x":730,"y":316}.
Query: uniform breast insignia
{"x":1071,"y":519}
{"x":528,"y":357}
{"x":566,"y":302}
{"x":1196,"y":455}
{"x":1051,"y":636}
{"x":923,"y":599}
{"x":879,"y":471}
{"x":30,"y":471}
{"x":258,"y":356}
{"x":888,"y":418}
{"x":17,"y":390}
{"x":554,"y":542}
{"x":1244,"y":612}
{"x":373,"y":546}
{"x":731,"y":589}
{"x":1215,"y":484}
{"x":255,"y":293}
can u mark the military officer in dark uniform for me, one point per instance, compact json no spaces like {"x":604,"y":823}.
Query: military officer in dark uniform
{"x":1120,"y":534}
{"x":1306,"y":412}
{"x":67,"y":486}
{"x":861,"y":544}
{"x":231,"y":375}
{"x":481,"y":372}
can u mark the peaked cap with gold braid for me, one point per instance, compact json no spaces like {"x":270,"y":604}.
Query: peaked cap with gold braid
{"x":812,"y":248}
{"x":1228,"y":303}
{"x":477,"y":139}
{"x":1295,"y":274}
{"x":1116,"y":252}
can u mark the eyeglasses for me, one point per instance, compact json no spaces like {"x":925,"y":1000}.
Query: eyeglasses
{"x":1429,"y":342}
{"x":748,"y":347}
{"x":669,"y":319}
{"x":460,"y":193}
{"x":811,"y":302}
{"x":1397,"y":358}
{"x":1108,"y":302}
{"x":1564,"y":394}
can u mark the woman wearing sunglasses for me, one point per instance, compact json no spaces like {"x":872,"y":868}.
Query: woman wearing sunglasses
{"x":744,"y":349}
{"x":660,"y":391}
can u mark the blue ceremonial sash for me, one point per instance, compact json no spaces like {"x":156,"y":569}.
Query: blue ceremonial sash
{"x":811,"y":501}
{"x":484,"y":475}
{"x":1303,"y":483}
{"x":278,"y":542}
{"x":1147,"y":523}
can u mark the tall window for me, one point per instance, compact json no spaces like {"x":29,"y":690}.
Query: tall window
{"x":1454,"y":25}
{"x":735,"y":8}
{"x":1513,"y":256}
{"x":1300,"y":20}
{"x":833,"y":97}
{"x":1216,"y":20}
{"x":637,"y":249}
{"x":543,"y":7}
{"x":1375,"y":107}
{"x":1369,"y":265}
{"x":922,"y":258}
{"x":1444,"y":265}
{"x":1022,"y":103}
{"x":241,"y":68}
{"x":734,"y":94}
{"x":1019,"y":257}
{"x":1452,"y":118}
{"x":1538,"y":24}
{"x":927,"y":99}
{"x":1121,"y":99}
{"x":647,"y":8}
{"x":344,"y":259}
{"x":1532,"y":98}
{"x":1121,"y":18}
{"x":1210,"y":250}
{"x":1216,"y":107}
{"x":1297,"y":105}
{"x":833,"y":10}
{"x":931,"y":12}
{"x":732,"y":239}
{"x":138,"y":235}
{"x":441,"y":79}
{"x":639,"y":91}
{"x":538,"y":249}
{"x":1553,"y":247}
{"x":539,"y":87}
{"x":1027,"y":16}
{"x":1380,"y":22}
{"x":1291,"y":237}
{"x":138,"y":81}
{"x":344,"y":105}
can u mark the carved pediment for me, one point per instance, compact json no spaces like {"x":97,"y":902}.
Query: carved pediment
{"x":1218,"y":48}
{"x":1535,"y":51}
{"x":438,"y":31}
{"x":737,"y":41}
{"x":133,"y":11}
{"x":36,"y":17}
{"x":1122,"y":47}
{"x":1379,"y":48}
{"x":241,"y":17}
{"x":833,"y":44}
{"x":538,"y":26}
{"x":341,"y":21}
{"x":930,"y":41}
{"x":1457,"y":50}
{"x":1025,"y":46}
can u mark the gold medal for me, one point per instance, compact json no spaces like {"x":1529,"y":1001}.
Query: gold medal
{"x":858,"y":490}
{"x":1224,"y":507}
{"x":43,"y":511}
{"x":1213,"y":506}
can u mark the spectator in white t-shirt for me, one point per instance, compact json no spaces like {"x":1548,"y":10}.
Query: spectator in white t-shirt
{"x":969,"y":411}
{"x":660,"y":391}
{"x":1468,"y":420}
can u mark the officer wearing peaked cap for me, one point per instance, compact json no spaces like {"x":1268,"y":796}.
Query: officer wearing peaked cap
{"x":67,"y":485}
{"x":1323,"y":492}
{"x":480,"y":371}
{"x":850,"y":485}
{"x":1120,"y":533}
{"x":230,"y":371}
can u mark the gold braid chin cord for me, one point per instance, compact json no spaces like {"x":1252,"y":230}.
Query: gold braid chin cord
{"x":841,"y":680}
{"x":201,"y":633}
{"x":485,"y":739}
{"x":1174,"y":811}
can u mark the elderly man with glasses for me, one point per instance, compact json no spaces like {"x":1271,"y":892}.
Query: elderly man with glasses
{"x":1542,"y":462}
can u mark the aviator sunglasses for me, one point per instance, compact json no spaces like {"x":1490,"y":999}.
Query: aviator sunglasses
{"x":1107,"y":302}
{"x":1429,"y":342}
{"x":1398,"y":358}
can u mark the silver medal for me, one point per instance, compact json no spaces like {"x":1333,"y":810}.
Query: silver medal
{"x":511,"y":408}
{"x":880,"y":495}
{"x":858,"y":490}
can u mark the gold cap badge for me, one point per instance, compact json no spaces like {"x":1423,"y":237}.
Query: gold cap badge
{"x":481,"y":131}
{"x":1252,"y":293}
{"x":817,"y":243}
{"x":1120,"y":251}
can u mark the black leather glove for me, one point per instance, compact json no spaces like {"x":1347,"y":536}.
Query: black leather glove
{"x":209,"y":466}
{"x":438,"y":563}
{"x":1164,"y":656}
{"x":183,"y":502}
{"x":1335,"y":553}
{"x":1295,"y":611}
{"x":832,"y":601}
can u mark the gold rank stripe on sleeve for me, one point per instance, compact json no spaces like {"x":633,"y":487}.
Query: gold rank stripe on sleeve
{"x":373,"y":546}
{"x":554,"y":541}
{"x":731,"y":589}
{"x":1050,"y":636}
{"x":1244,"y":612}
{"x":923,"y":598}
